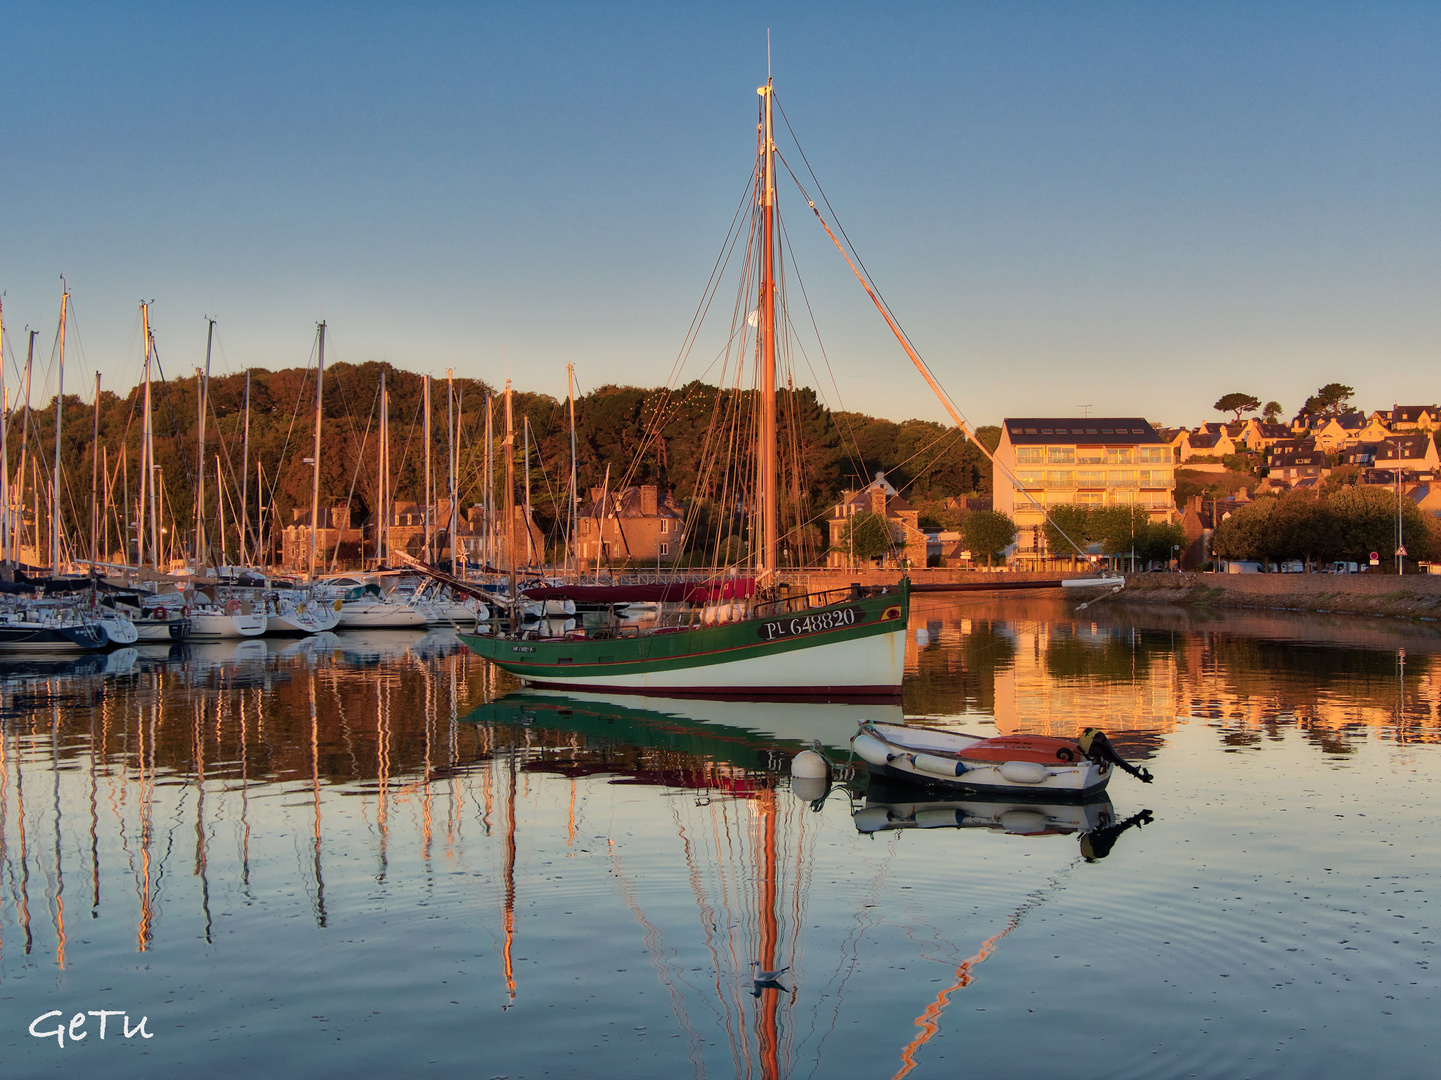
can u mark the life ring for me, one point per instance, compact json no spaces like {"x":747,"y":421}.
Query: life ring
{"x":232,"y":607}
{"x":158,"y":613}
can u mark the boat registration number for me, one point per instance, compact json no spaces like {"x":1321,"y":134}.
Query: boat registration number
{"x":809,"y":624}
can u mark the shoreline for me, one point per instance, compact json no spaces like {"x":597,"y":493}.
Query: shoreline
{"x":1412,"y":596}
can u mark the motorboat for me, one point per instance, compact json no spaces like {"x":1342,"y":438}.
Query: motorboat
{"x":1037,"y":765}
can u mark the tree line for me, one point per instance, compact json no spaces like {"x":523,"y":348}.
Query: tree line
{"x":1346,"y":523}
{"x":623,"y":435}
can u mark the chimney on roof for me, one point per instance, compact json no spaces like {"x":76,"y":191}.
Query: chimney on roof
{"x":648,"y":504}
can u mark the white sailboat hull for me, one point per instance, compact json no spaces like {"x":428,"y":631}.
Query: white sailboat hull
{"x":878,"y":660}
{"x":219,"y":626}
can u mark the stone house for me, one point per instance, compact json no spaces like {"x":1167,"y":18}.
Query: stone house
{"x":633,"y":525}
{"x":878,"y":497}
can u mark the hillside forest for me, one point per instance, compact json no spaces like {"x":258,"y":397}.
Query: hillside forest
{"x":624,"y":436}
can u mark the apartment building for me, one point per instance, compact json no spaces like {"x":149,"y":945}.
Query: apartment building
{"x":1113,"y":461}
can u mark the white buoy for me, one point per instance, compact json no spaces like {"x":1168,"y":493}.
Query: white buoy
{"x":809,"y":788}
{"x":810,"y":765}
{"x":923,"y":636}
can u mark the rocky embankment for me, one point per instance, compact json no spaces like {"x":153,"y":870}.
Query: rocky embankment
{"x":1415,"y":596}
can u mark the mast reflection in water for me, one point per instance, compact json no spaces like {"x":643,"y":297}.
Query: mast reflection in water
{"x":360,"y":852}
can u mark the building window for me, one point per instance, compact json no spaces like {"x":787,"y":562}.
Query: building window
{"x":1121,"y":477}
{"x":665,"y":549}
{"x":665,"y":525}
{"x":1029,"y":477}
{"x":1155,"y":454}
{"x":1090,"y":477}
{"x":1060,"y":478}
{"x":1061,"y":455}
{"x":1120,"y":455}
{"x":1030,"y":455}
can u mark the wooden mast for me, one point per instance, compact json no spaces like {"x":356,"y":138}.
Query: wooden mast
{"x":766,"y":448}
{"x":509,"y":446}
{"x":200,"y":552}
{"x":59,"y":408}
{"x":315,"y":466}
{"x":429,"y":487}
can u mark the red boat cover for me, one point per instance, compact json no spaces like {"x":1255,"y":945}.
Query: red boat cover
{"x":689,"y":592}
{"x":1039,"y":748}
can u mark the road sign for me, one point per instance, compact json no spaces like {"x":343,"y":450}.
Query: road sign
{"x":1375,"y":559}
{"x":1401,"y":550}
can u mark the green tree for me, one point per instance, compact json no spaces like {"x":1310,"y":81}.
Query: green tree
{"x":988,"y":533}
{"x":1271,"y":414}
{"x":1365,"y":521}
{"x":1066,"y":525}
{"x":1237,"y":404}
{"x":866,"y":536}
{"x":1331,"y":400}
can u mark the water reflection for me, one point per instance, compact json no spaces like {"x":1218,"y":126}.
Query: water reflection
{"x":380,"y":825}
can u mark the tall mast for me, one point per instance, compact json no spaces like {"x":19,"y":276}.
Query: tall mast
{"x":315,"y":466}
{"x":95,"y":481}
{"x":450,"y":456}
{"x":24,"y":448}
{"x":147,"y":456}
{"x":429,"y":488}
{"x":380,"y":448}
{"x":525,"y":423}
{"x":509,"y":447}
{"x":766,"y":450}
{"x":574,"y":495}
{"x":490,"y":530}
{"x":245,"y":475}
{"x":59,"y":408}
{"x":385,"y":448}
{"x":4,"y":447}
{"x":200,"y":552}
{"x":220,"y":509}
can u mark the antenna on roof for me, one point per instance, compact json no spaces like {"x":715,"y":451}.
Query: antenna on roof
{"x":1085,"y":410}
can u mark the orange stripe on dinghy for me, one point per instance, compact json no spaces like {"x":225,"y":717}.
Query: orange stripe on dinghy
{"x":1038,"y":748}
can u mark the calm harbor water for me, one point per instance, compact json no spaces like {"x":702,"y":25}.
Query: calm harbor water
{"x":366,"y":855}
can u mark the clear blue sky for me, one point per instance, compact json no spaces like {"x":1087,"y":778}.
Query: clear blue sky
{"x":1138,"y":207}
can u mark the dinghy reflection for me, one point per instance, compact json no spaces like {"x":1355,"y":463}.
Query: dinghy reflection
{"x":894,"y":807}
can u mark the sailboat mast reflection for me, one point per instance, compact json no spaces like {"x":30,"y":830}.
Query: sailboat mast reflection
{"x":320,"y":918}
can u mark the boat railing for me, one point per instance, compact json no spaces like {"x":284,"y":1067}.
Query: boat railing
{"x":788,"y":603}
